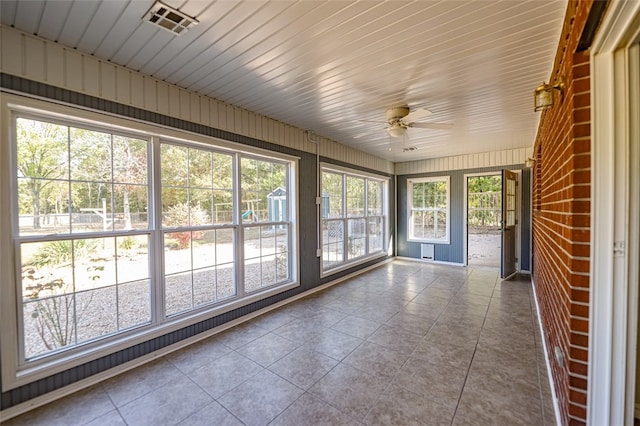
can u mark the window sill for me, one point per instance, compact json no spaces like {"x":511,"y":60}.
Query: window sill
{"x":353,"y":263}
{"x":427,"y":241}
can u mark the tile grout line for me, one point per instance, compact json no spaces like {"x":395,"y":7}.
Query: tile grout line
{"x":466,"y":377}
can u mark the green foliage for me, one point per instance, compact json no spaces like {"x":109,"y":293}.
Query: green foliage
{"x":127,"y":243}
{"x":62,"y":251}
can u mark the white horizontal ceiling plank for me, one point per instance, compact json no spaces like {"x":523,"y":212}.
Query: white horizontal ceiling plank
{"x":300,"y":17}
{"x":223,"y":35}
{"x":108,"y":12}
{"x":122,"y":28}
{"x":247,"y":44}
{"x":53,"y":18}
{"x":28,"y":15}
{"x":78,"y":19}
{"x":326,"y":66}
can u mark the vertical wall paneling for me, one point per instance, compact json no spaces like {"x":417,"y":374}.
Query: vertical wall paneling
{"x":108,"y":81}
{"x":463,"y":162}
{"x":241,"y":122}
{"x":12,"y":50}
{"x":150,"y":94}
{"x":73,"y":70}
{"x":137,"y":90}
{"x":162,"y":90}
{"x":184,"y":98}
{"x":213,"y":113}
{"x":174,"y":100}
{"x":251,"y":123}
{"x":194,"y":108}
{"x":54,"y":68}
{"x":231,"y":119}
{"x":34,"y":57}
{"x":91,"y":70}
{"x":204,"y":111}
{"x":454,"y":251}
{"x":123,"y":86}
{"x":222,"y":116}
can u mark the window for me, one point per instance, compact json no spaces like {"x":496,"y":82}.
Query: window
{"x":353,"y":217}
{"x":83,"y":233}
{"x":428,"y":209}
{"x":121,"y":232}
{"x":197,"y":223}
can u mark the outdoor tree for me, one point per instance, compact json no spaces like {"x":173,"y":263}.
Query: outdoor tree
{"x":42,"y":157}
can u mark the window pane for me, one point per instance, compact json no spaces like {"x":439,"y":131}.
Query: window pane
{"x":263,"y":189}
{"x":90,"y":155}
{"x":131,"y":207}
{"x":71,"y":290}
{"x":129,"y":160}
{"x":266,"y":256}
{"x":175,"y":210}
{"x":423,"y":222}
{"x":375,"y":234}
{"x":178,"y":293}
{"x":68,"y":185}
{"x":282,"y":254}
{"x":355,"y":197}
{"x":174,"y":165}
{"x":134,"y":304}
{"x":332,"y":242}
{"x":223,"y":189}
{"x":177,"y":251}
{"x":374,"y":198}
{"x":356,"y":244}
{"x":429,"y":209}
{"x":331,"y":195}
{"x":42,"y":169}
{"x":225,"y":268}
{"x":91,"y":209}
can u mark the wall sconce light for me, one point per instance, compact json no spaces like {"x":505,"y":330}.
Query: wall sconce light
{"x":543,"y":95}
{"x":529,"y":163}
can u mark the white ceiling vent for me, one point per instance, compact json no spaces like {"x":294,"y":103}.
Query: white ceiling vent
{"x":169,"y":18}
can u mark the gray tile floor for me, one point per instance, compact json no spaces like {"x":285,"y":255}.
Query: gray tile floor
{"x":405,"y":344}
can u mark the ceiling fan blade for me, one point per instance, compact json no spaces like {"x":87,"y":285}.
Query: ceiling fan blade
{"x":415,"y":115}
{"x":434,"y":126}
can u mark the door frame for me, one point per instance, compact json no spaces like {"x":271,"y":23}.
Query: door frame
{"x":465,"y":236}
{"x":615,"y":248}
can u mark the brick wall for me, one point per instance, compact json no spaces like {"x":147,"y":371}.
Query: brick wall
{"x":561,"y":206}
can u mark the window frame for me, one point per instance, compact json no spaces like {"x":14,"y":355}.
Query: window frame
{"x":15,"y":371}
{"x":411,"y":210}
{"x":345,"y":218}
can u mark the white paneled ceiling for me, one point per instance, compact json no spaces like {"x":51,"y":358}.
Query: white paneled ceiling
{"x":334,"y":67}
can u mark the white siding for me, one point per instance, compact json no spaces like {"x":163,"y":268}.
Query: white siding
{"x":39,"y":60}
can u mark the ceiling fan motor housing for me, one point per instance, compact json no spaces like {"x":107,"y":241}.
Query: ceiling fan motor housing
{"x":397,"y":113}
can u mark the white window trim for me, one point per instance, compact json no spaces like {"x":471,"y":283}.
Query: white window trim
{"x":347,"y":264}
{"x":14,"y":374}
{"x":410,"y":236}
{"x":615,"y":248}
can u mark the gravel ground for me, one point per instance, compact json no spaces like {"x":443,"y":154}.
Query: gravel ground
{"x":102,"y":308}
{"x":484,"y":250}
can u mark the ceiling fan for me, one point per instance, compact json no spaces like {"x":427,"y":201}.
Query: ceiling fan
{"x":401,"y":118}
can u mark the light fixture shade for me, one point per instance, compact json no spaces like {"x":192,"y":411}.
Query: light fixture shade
{"x":543,"y":97}
{"x":396,"y":131}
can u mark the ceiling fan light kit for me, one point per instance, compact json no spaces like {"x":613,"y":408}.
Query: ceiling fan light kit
{"x":396,"y":130}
